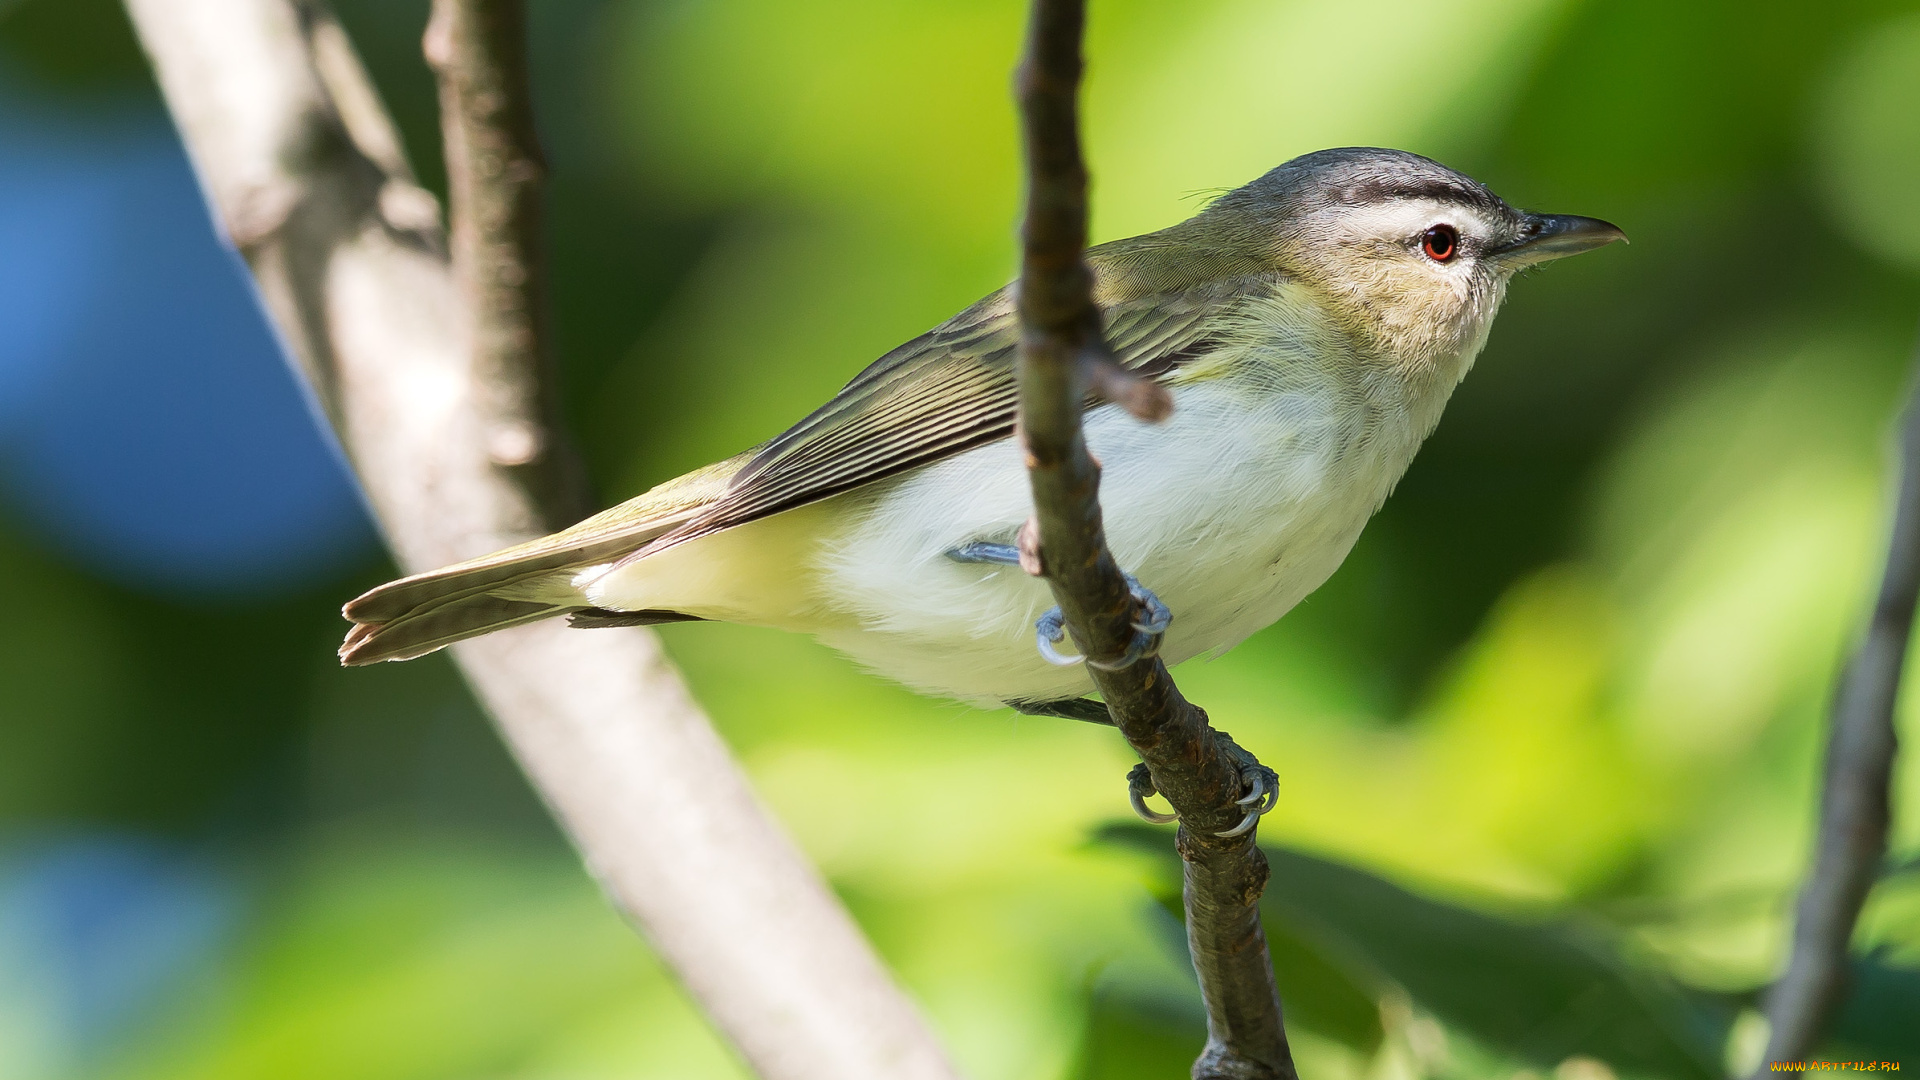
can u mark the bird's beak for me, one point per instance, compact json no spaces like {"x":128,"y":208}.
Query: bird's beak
{"x":1546,"y":237}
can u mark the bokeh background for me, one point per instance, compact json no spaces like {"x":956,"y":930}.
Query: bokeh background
{"x":1548,"y":742}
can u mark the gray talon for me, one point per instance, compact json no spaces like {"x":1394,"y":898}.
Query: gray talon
{"x":1258,"y":794}
{"x":1158,"y":616}
{"x":1051,"y":630}
{"x":1147,"y":813}
{"x":1139,"y":786}
{"x":1262,"y":798}
{"x":1263,"y":794}
{"x":1154,"y":618}
{"x":1246,"y":823}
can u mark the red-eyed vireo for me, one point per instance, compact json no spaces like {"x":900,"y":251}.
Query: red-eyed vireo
{"x":1310,"y":327}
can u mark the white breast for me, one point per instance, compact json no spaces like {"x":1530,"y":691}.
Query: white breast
{"x":1231,"y":511}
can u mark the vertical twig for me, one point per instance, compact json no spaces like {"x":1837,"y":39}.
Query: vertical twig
{"x":1856,"y":797}
{"x":1197,"y":769}
{"x":303,"y":171}
{"x":496,"y":180}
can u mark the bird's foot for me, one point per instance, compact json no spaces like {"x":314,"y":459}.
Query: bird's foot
{"x":1261,"y":784}
{"x":1051,"y":630}
{"x":1139,"y":786}
{"x":1262,"y":794}
{"x":1150,"y":622}
{"x":1151,"y":617}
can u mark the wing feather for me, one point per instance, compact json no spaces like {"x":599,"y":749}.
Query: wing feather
{"x":943,"y":393}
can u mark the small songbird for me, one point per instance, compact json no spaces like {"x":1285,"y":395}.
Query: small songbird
{"x":1309,"y":327}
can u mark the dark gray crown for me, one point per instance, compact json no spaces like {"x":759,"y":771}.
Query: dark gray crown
{"x":1355,"y":175}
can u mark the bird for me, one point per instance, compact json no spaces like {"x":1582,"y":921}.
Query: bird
{"x":1309,"y":328}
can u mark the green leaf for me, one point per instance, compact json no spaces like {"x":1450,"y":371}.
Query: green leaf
{"x":1878,"y":1021}
{"x":1134,"y":1033}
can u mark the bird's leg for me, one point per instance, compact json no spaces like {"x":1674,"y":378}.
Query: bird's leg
{"x":979,"y":551}
{"x":1052,"y":627}
{"x":1262,"y":786}
{"x":1087,"y":709}
{"x":1150,"y":622}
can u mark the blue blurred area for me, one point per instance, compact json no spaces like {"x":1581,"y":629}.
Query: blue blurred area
{"x":97,"y":932}
{"x":148,"y":425}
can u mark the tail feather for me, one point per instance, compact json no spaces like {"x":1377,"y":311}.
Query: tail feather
{"x":439,"y":625}
{"x":416,"y":615}
{"x":501,"y":571}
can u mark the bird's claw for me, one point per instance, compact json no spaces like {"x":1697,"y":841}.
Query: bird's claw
{"x":1051,"y":630}
{"x":1150,"y":622}
{"x":1151,"y":619}
{"x":1263,"y":792}
{"x":1139,"y":786}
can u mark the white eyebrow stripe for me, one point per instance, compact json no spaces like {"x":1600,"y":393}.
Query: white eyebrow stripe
{"x":1399,"y":219}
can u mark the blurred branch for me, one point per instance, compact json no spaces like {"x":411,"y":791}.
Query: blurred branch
{"x":496,"y":178}
{"x":306,"y":176}
{"x":1199,"y":770}
{"x":1856,"y":799}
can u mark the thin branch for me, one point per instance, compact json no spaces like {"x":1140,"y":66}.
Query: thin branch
{"x":496,"y":179}
{"x":1856,"y":801}
{"x":1198,"y":769}
{"x":304,"y":173}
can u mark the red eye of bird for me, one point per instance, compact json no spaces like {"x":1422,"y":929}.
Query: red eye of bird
{"x":1441,"y":243}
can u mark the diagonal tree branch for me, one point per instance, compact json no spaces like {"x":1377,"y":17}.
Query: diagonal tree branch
{"x":306,"y":178}
{"x":1856,"y":800}
{"x":1198,"y":769}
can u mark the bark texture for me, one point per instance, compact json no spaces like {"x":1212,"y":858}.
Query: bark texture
{"x":496,"y":179}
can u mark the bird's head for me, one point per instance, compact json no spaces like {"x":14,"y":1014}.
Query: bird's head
{"x":1405,"y":251}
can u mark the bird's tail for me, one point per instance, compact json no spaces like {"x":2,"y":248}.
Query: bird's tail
{"x":417,"y":615}
{"x":427,"y":612}
{"x":440,"y":622}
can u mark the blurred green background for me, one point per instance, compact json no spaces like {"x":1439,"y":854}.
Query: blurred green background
{"x":1548,"y":743}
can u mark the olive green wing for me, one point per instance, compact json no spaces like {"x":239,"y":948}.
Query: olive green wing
{"x":945,"y":392}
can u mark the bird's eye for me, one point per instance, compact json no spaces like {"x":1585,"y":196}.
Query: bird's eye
{"x":1441,"y":243}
